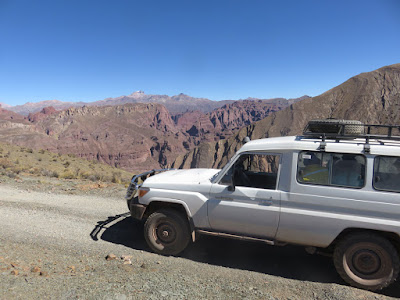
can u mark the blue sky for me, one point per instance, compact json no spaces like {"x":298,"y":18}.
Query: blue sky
{"x":217,"y":49}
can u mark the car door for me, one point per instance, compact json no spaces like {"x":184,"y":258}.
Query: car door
{"x":252,"y":208}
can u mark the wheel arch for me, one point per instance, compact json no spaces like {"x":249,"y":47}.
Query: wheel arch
{"x":177,"y":206}
{"x":393,"y":237}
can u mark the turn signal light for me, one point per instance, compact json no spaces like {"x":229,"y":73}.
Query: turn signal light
{"x":142,"y":192}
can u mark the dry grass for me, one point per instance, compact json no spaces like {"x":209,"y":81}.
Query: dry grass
{"x":16,"y":160}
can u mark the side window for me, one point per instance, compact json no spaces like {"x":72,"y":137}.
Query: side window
{"x":331,"y":169}
{"x":314,"y":167}
{"x":387,"y":173}
{"x":348,"y":170}
{"x":254,"y":170}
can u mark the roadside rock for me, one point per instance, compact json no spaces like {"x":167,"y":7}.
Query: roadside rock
{"x":111,"y":257}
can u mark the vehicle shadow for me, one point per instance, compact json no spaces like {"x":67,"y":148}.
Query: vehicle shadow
{"x":290,"y":262}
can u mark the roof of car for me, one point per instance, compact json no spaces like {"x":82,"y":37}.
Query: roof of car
{"x":286,"y":143}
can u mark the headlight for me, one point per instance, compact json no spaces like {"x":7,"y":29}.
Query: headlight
{"x":142,"y":192}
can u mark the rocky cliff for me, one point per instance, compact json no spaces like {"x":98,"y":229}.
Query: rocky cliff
{"x":226,"y":120}
{"x":372,"y":97}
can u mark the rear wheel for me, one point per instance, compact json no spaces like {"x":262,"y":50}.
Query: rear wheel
{"x":366,"y":260}
{"x":167,"y":232}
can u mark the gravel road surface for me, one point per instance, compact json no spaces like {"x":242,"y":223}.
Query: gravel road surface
{"x":53,"y":245}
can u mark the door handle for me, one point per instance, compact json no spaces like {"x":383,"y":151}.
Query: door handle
{"x":224,"y":198}
{"x":266,"y":202}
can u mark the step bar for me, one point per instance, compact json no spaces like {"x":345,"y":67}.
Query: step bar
{"x":236,"y":237}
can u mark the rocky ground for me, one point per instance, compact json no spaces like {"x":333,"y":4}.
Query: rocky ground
{"x":55,"y":236}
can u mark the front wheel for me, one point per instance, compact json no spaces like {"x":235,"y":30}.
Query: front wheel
{"x":167,"y":232}
{"x":366,"y":261}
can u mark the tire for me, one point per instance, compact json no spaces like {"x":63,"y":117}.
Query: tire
{"x":333,"y":126}
{"x":367,"y":261}
{"x":167,"y":232}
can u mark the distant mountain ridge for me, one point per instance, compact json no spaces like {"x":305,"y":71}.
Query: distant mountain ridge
{"x":176,"y":104}
{"x":372,"y":98}
{"x":4,"y":105}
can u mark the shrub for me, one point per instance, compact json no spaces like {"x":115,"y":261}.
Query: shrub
{"x":5,"y":163}
{"x":11,"y":174}
{"x":17,"y":169}
{"x":67,"y":174}
{"x":49,"y":173}
{"x":94,"y":177}
{"x":84,"y":175}
{"x":35,"y":170}
{"x":116,"y":177}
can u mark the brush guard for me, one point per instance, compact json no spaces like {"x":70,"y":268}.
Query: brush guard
{"x":135,"y":184}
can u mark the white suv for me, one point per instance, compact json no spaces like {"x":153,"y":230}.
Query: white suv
{"x":335,"y":189}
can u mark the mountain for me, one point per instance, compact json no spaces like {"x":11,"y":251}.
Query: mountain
{"x":4,"y":105}
{"x":6,"y":114}
{"x":226,"y":120}
{"x":175,"y":104}
{"x":29,"y":107}
{"x":373,"y":98}
{"x":35,"y":117}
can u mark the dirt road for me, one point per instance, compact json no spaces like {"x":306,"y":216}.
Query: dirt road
{"x":53,"y":246}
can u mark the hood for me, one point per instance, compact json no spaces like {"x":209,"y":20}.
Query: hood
{"x":182,"y":176}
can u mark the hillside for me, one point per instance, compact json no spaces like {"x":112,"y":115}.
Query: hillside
{"x":372,"y":97}
{"x":226,"y":120}
{"x":20,"y":161}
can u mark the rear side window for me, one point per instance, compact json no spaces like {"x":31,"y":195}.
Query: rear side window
{"x":387,"y":173}
{"x":336,"y":169}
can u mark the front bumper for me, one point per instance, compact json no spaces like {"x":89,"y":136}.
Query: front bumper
{"x":137,"y":210}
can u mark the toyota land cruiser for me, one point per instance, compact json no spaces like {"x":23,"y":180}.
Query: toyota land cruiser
{"x":336,"y":188}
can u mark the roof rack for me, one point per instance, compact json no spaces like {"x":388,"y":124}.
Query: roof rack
{"x":342,"y":131}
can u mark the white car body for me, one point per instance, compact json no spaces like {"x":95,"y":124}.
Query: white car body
{"x":297,"y":213}
{"x":358,"y":222}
